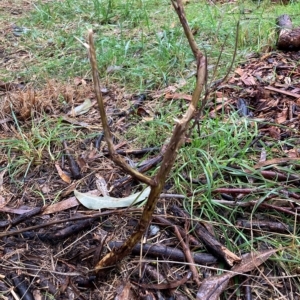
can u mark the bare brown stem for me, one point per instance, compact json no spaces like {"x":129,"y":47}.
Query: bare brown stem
{"x":188,"y":255}
{"x":118,"y":159}
{"x":178,"y":6}
{"x":170,"y":154}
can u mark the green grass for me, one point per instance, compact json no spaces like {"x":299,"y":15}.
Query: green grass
{"x":34,"y":144}
{"x":145,"y":39}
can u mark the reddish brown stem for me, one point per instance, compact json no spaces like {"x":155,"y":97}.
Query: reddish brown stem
{"x":169,"y":155}
{"x":188,"y":255}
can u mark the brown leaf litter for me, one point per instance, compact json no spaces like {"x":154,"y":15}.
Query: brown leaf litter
{"x":269,"y":88}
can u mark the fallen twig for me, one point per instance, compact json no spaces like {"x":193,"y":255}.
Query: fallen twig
{"x":64,"y":233}
{"x":166,"y":223}
{"x":166,"y":286}
{"x":280,"y":176}
{"x":143,"y":168}
{"x":270,"y":88}
{"x":259,"y":205}
{"x":73,"y":165}
{"x":99,"y":214}
{"x":188,"y":255}
{"x":166,"y":252}
{"x":235,"y":190}
{"x":23,"y":217}
{"x":210,"y":242}
{"x":135,"y":151}
{"x":264,"y":225}
{"x":22,"y":286}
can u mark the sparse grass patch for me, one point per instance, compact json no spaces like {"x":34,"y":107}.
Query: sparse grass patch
{"x":157,"y":132}
{"x":34,"y":144}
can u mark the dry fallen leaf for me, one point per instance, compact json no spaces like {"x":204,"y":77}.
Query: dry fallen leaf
{"x":2,"y":201}
{"x":212,"y":287}
{"x":292,"y":153}
{"x":37,"y":295}
{"x":263,"y":155}
{"x":123,"y":292}
{"x":82,"y":108}
{"x":101,"y":185}
{"x":142,"y":112}
{"x":96,"y":202}
{"x":274,"y":132}
{"x":62,"y":205}
{"x":178,"y":96}
{"x":45,"y":188}
{"x":62,"y":174}
{"x":16,"y":211}
{"x":2,"y":173}
{"x":282,"y":116}
{"x":79,"y":81}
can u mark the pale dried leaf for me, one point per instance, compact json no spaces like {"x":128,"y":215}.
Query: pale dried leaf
{"x":123,"y":292}
{"x":178,"y":96}
{"x":37,"y":295}
{"x":46,"y":189}
{"x":212,"y":287}
{"x":101,"y":185}
{"x":62,"y":174}
{"x":97,"y":202}
{"x":82,"y":108}
{"x":75,"y":122}
{"x":292,"y":153}
{"x":2,"y":201}
{"x":2,"y":173}
{"x":263,"y":155}
{"x":282,"y":116}
{"x":112,"y":69}
{"x":17,"y":211}
{"x":62,"y":205}
{"x":251,"y":261}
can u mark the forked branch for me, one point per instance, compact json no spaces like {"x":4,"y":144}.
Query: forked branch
{"x":118,"y":159}
{"x":157,"y":182}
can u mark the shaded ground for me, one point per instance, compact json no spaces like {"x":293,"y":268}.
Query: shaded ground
{"x":55,"y":260}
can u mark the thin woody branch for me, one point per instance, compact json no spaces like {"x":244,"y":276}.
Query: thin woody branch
{"x":170,"y":153}
{"x":178,"y":6}
{"x":118,"y":159}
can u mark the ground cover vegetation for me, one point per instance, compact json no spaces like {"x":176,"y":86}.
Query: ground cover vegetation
{"x":236,"y":174}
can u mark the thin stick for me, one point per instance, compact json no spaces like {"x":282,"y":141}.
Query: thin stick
{"x":188,"y":255}
{"x":108,"y":137}
{"x":105,"y":213}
